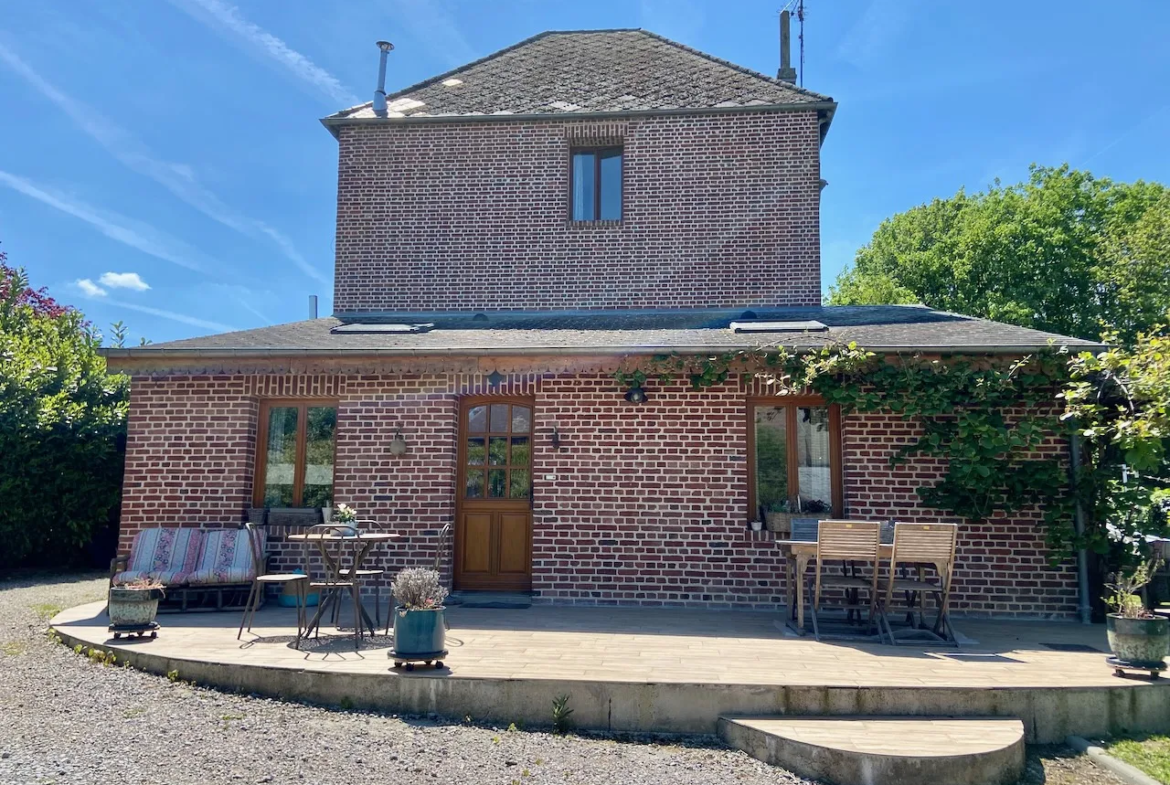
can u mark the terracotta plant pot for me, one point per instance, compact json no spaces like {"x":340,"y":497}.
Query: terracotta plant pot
{"x":419,"y":633}
{"x":1143,"y":643}
{"x":133,"y":607}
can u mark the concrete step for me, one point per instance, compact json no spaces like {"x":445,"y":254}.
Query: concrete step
{"x":885,"y":750}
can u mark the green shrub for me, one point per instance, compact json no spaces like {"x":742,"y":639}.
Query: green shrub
{"x":62,"y":429}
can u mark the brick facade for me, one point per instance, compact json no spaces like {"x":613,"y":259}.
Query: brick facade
{"x":719,"y":210}
{"x":647,"y":504}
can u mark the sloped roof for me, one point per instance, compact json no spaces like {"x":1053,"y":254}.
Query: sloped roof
{"x":890,"y":328}
{"x":585,"y":72}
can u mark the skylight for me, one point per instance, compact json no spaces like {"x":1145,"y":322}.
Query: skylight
{"x":778,"y":327}
{"x":452,"y":82}
{"x":381,"y":327}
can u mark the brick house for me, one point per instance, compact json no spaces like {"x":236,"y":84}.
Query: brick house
{"x":507,"y":233}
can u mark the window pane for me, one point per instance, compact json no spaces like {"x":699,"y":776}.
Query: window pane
{"x":496,"y":478}
{"x":498,"y":450}
{"x":520,"y":483}
{"x":611,"y":186}
{"x":771,"y":457}
{"x":812,"y":453}
{"x":474,"y":483}
{"x":499,"y":418}
{"x":320,"y":426}
{"x":519,"y":450}
{"x":475,"y":452}
{"x":477,"y":419}
{"x":583,"y":186}
{"x":281,"y":456}
{"x":521,"y":419}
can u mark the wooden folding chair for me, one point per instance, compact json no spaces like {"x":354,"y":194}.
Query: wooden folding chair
{"x":917,"y":545}
{"x":852,"y":543}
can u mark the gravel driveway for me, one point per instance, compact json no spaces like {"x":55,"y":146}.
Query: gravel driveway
{"x":65,"y":719}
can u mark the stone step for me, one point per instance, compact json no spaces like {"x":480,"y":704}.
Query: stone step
{"x":885,"y":750}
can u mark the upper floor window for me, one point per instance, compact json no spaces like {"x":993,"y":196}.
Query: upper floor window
{"x":295,"y":454}
{"x":597,"y":184}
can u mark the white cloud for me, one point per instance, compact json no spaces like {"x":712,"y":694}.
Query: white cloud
{"x":89,"y":288}
{"x":124,"y":281}
{"x":228,"y":16}
{"x":177,"y":178}
{"x":135,"y":234}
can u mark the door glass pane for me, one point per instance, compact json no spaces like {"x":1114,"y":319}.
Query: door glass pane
{"x":771,"y":457}
{"x":280,"y":456}
{"x":611,"y":186}
{"x":320,"y":426}
{"x":812,"y":453}
{"x":477,"y":419}
{"x":519,"y":450}
{"x":475,"y":452}
{"x":499,"y":418}
{"x":497,"y":450}
{"x":583,"y":186}
{"x":475,"y":483}
{"x":520,"y":483}
{"x":496,"y":481}
{"x":521,"y":419}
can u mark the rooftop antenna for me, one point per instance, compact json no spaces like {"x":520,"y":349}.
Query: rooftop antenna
{"x":800,"y":36}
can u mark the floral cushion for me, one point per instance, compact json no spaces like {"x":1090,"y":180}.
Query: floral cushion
{"x":226,"y":558}
{"x":165,"y":555}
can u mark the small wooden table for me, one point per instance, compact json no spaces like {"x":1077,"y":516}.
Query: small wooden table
{"x":366,"y":541}
{"x":798,"y":553}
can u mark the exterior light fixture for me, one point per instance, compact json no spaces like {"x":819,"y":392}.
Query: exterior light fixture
{"x":398,"y":444}
{"x":556,"y":438}
{"x":636,"y":394}
{"x":494,"y":378}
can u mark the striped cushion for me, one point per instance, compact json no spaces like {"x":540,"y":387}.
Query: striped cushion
{"x":226,"y":558}
{"x":165,"y":555}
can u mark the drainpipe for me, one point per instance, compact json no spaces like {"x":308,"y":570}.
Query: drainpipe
{"x":1083,"y":608}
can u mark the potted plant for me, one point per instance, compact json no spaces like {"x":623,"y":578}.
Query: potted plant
{"x":778,"y":517}
{"x":1137,"y":637}
{"x":134,"y":604}
{"x":419,"y":631}
{"x":346,"y":516}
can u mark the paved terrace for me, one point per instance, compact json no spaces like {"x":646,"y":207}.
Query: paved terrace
{"x":658,"y":669}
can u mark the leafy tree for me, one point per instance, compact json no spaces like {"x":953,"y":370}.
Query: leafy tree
{"x":1063,"y":252}
{"x":62,"y":427}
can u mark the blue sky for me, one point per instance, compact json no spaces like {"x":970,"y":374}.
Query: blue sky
{"x":167,"y":155}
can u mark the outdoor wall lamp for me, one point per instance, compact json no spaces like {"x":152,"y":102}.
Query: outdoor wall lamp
{"x":636,"y":394}
{"x":556,"y":438}
{"x":398,"y":443}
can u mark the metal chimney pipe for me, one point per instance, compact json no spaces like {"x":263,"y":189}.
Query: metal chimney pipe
{"x":786,"y":73}
{"x":380,"y":91}
{"x":312,"y":306}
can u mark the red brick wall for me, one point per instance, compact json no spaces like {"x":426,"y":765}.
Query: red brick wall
{"x":647,"y":504}
{"x":719,"y":210}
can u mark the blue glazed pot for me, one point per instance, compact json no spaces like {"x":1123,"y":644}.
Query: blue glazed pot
{"x":418,"y":633}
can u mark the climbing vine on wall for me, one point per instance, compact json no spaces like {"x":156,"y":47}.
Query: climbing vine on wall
{"x":984,"y":418}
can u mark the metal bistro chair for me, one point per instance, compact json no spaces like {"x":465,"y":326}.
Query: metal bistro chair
{"x":332,"y":541}
{"x":852,"y":543}
{"x":261,"y":580}
{"x":360,"y":576}
{"x":919,"y":544}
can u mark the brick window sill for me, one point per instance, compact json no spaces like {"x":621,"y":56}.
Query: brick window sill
{"x":594,"y":224}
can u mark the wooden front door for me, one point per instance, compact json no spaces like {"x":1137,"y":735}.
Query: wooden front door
{"x":493,"y":531}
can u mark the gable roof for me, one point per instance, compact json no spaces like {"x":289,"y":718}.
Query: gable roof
{"x":584,"y":72}
{"x":879,"y":328}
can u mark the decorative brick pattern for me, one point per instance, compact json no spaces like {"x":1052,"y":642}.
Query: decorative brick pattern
{"x":719,"y":210}
{"x":647,"y":504}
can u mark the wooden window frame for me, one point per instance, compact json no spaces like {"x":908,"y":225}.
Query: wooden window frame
{"x":597,"y":154}
{"x":466,"y":403}
{"x":303,"y":404}
{"x":792,"y":403}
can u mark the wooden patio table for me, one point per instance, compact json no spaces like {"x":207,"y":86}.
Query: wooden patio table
{"x":797,"y":555}
{"x":366,"y":541}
